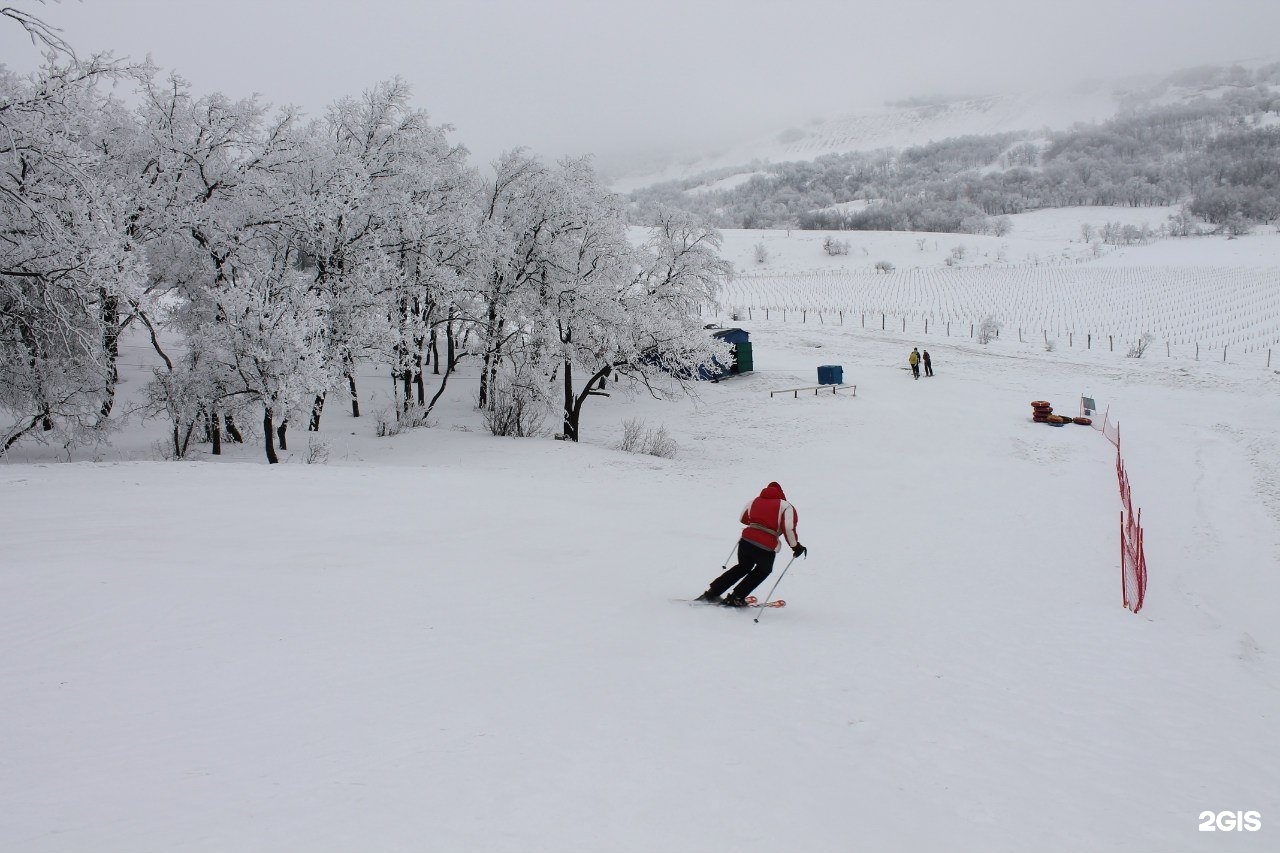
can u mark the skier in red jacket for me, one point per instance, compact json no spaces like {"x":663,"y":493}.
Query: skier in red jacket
{"x":768,"y":519}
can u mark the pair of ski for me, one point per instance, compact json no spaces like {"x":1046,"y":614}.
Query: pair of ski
{"x":752,"y":602}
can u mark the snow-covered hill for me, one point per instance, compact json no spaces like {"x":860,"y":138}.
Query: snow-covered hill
{"x":448,"y":641}
{"x":896,"y":127}
{"x":921,"y":121}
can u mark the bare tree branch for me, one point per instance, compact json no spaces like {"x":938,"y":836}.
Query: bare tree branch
{"x":41,"y":33}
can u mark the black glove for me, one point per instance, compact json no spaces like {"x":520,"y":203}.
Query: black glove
{"x":799,"y":551}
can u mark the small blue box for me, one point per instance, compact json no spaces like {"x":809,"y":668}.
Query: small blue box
{"x":830,"y":374}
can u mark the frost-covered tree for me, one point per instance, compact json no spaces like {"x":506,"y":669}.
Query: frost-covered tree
{"x":648,"y":328}
{"x":567,"y":294}
{"x":989,"y":329}
{"x":382,"y":219}
{"x":269,"y":336}
{"x":67,"y":262}
{"x":218,"y":193}
{"x":518,"y":217}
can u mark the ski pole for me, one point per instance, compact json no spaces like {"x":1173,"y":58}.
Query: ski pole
{"x":765,"y":605}
{"x":732,"y":551}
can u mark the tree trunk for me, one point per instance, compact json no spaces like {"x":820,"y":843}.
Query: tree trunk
{"x":355,"y":398}
{"x":316,"y":408}
{"x":111,"y":346}
{"x":232,"y":430}
{"x":418,"y":345}
{"x":280,"y":431}
{"x":570,"y":415}
{"x":592,"y":389}
{"x":269,"y":435}
{"x":181,"y":441}
{"x":491,"y":356}
{"x":435,"y":353}
{"x":215,"y":432}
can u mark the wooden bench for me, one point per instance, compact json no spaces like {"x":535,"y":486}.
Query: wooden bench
{"x":816,"y":389}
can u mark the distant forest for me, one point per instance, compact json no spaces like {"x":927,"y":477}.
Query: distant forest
{"x":1218,"y":154}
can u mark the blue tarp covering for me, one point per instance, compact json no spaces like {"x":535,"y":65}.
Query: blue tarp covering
{"x":830,"y":374}
{"x":732,"y":336}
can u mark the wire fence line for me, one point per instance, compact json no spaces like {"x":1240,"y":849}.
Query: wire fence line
{"x":1221,"y":314}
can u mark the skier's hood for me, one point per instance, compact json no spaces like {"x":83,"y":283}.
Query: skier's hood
{"x":773,"y":490}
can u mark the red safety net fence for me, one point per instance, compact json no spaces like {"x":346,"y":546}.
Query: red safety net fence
{"x":1110,"y":429}
{"x":1133,"y":560}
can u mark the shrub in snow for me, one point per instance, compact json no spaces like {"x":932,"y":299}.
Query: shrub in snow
{"x":989,"y":328}
{"x":1140,"y":346}
{"x":761,"y":253}
{"x":884,"y":266}
{"x":515,"y":415}
{"x":317,"y":451}
{"x":390,"y":420}
{"x":833,"y":247}
{"x":517,"y":404}
{"x":638,"y":437}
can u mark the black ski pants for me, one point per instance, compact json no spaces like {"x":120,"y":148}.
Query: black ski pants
{"x":755,"y":563}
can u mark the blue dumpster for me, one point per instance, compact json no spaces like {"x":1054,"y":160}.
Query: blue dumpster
{"x":830,"y":374}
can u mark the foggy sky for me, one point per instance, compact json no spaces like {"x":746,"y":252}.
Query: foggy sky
{"x":612,"y":77}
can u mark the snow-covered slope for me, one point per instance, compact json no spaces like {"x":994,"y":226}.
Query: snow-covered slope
{"x":921,"y":121}
{"x":448,"y":641}
{"x":897,"y":127}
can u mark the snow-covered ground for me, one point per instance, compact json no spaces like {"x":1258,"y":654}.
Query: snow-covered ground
{"x":1051,"y":237}
{"x":448,"y":641}
{"x":1207,"y":297}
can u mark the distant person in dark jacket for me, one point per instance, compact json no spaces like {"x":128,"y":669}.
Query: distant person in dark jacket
{"x":928,"y":365}
{"x":914,"y":361}
{"x":769,"y":519}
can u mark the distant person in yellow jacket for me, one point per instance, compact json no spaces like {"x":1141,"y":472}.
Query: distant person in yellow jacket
{"x":914,"y":361}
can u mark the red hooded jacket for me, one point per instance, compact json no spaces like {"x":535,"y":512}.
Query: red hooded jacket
{"x":770,"y":517}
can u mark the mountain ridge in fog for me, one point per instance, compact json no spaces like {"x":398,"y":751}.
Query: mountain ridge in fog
{"x":920,"y":120}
